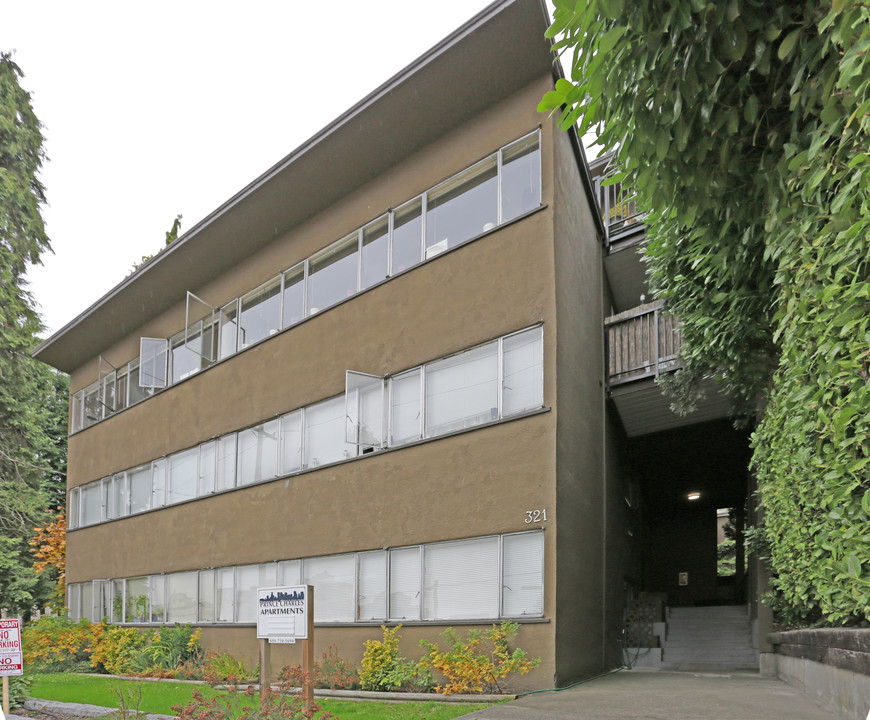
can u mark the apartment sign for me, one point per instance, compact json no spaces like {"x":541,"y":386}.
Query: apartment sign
{"x":11,"y":659}
{"x":282,"y":613}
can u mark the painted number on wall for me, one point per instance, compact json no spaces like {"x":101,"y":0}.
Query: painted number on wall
{"x":536,"y":516}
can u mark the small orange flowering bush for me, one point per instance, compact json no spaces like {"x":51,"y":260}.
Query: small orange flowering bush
{"x":57,"y":644}
{"x":332,"y":672}
{"x":478,"y":663}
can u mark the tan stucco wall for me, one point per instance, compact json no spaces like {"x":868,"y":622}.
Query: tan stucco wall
{"x":580,"y":495}
{"x":471,"y":484}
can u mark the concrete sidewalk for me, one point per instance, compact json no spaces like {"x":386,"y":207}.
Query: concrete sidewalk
{"x":667,"y":695}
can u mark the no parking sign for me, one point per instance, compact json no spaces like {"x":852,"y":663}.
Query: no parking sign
{"x":11,"y":658}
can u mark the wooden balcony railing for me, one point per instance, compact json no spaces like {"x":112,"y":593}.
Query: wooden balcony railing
{"x":618,"y":208}
{"x":641,"y":342}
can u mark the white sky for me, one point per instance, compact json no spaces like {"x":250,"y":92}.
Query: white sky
{"x":160,"y":108}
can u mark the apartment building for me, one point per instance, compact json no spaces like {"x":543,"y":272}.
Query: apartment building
{"x":381,"y":369}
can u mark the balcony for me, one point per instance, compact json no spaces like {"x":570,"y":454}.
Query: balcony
{"x":641,"y":344}
{"x":619,"y":209}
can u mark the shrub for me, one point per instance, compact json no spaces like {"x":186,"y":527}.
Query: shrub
{"x":479,"y":662}
{"x":57,"y":644}
{"x":379,"y":660}
{"x":118,"y":650}
{"x":231,"y":704}
{"x":332,"y":672}
{"x":170,"y":647}
{"x":19,"y":689}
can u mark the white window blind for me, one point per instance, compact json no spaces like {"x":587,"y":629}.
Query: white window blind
{"x":181,"y":597}
{"x":461,"y":580}
{"x":405,"y":581}
{"x":182,"y":476}
{"x":324,"y":433}
{"x":523,"y":574}
{"x":462,"y":391}
{"x":291,"y":442}
{"x":372,"y":586}
{"x":405,"y":407}
{"x":248,"y":579}
{"x":333,"y":581}
{"x":523,"y":371}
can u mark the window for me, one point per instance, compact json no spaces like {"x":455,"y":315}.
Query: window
{"x":405,"y":404}
{"x":229,"y":328}
{"x":324,"y":433}
{"x":136,"y":392}
{"x":291,"y":442}
{"x":460,"y":580}
{"x":223,"y":598}
{"x":93,"y":409}
{"x":333,"y":581}
{"x":140,"y":488}
{"x":184,"y":361}
{"x":462,"y":391}
{"x":406,"y":571}
{"x":207,"y":463}
{"x":260,"y":314}
{"x":205,"y":599}
{"x":153,"y":359}
{"x":294,"y":295}
{"x":375,"y":252}
{"x":121,"y":388}
{"x":523,"y":371}
{"x":372,"y":586}
{"x":225,"y":474}
{"x":364,"y":410}
{"x":77,"y":418}
{"x":462,"y":207}
{"x":520,"y":177}
{"x":117,"y":505}
{"x":87,"y":601}
{"x":455,"y":580}
{"x":523,"y":574}
{"x":91,"y":503}
{"x":248,"y":579}
{"x":332,"y":274}
{"x":181,"y":597}
{"x":73,"y":519}
{"x":74,"y":601}
{"x":158,"y":483}
{"x":258,"y":453}
{"x":407,"y":236}
{"x":158,"y":598}
{"x":182,"y":476}
{"x":137,"y":603}
{"x":495,"y":190}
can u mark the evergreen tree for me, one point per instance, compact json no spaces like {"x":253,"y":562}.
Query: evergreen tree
{"x":31,"y":395}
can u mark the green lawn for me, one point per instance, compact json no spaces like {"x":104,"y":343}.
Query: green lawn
{"x":159,"y":697}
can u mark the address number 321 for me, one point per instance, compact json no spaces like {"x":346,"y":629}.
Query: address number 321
{"x":536,"y":516}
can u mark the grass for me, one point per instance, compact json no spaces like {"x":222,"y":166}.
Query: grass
{"x":159,"y":697}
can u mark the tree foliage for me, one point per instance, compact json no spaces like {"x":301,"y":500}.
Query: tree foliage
{"x":33,"y":398}
{"x":744,"y":127}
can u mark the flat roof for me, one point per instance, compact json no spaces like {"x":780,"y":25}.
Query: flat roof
{"x":497,"y":52}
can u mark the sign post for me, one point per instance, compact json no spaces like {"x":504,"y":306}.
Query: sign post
{"x":285,"y":615}
{"x":11,"y":657}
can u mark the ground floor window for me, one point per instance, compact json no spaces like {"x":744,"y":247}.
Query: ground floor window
{"x":482,"y":578}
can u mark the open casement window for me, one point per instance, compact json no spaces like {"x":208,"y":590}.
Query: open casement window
{"x":364,"y":409}
{"x":153,"y":362}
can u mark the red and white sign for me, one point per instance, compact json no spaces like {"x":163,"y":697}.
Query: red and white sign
{"x":11,"y":657}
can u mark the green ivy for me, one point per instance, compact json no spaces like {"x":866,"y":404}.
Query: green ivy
{"x":744,"y":124}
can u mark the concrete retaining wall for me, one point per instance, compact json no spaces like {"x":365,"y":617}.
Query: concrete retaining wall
{"x":830,"y":664}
